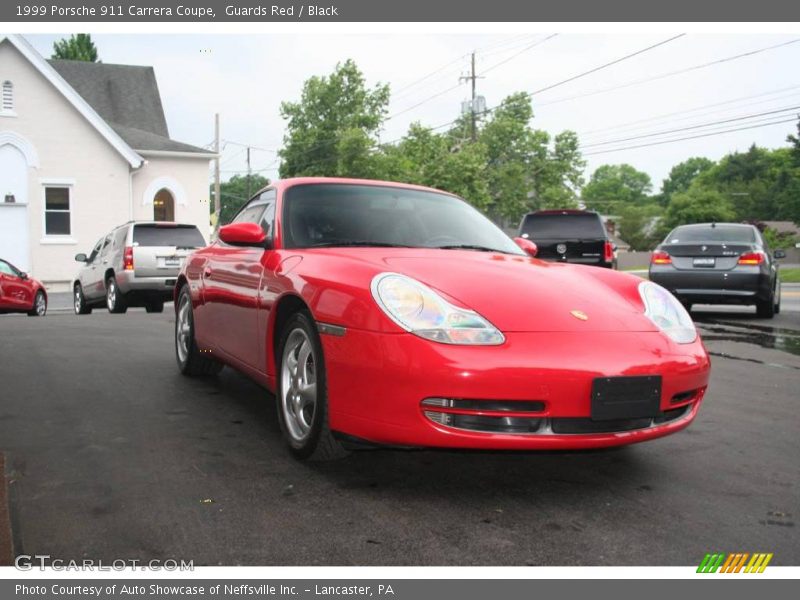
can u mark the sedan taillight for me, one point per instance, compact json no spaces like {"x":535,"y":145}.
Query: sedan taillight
{"x":752,"y":258}
{"x":660,"y":258}
{"x":127,"y":259}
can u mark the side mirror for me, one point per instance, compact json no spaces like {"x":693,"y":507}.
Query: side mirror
{"x":80,"y":257}
{"x":243,"y":234}
{"x":528,"y":246}
{"x":779,"y":254}
{"x":24,"y":276}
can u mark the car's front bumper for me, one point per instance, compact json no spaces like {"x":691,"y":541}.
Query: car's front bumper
{"x":377,"y":382}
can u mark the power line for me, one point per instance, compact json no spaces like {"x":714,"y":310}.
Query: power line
{"x":670,"y":73}
{"x":515,"y":55}
{"x":689,"y":128}
{"x":632,"y":124}
{"x":693,"y":137}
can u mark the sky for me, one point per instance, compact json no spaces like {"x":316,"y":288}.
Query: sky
{"x":245,"y":77}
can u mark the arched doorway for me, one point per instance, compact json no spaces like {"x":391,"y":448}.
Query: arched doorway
{"x":163,"y":206}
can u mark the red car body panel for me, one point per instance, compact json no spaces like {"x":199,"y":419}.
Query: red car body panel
{"x":18,"y":294}
{"x":378,"y":374}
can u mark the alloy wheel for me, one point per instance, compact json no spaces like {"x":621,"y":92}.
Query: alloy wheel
{"x":298,"y":385}
{"x":183,"y":330}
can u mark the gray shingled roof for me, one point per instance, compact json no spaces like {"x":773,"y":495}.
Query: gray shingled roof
{"x":127,"y":98}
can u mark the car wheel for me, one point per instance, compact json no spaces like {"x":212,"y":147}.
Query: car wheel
{"x":115,"y":300}
{"x":302,"y":391}
{"x":79,"y":301}
{"x":778,"y":299}
{"x":191,"y":361}
{"x":766,"y":308}
{"x":154,"y":306}
{"x":39,"y":305}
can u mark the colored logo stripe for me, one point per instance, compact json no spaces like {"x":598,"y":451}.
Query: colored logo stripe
{"x":734,"y":562}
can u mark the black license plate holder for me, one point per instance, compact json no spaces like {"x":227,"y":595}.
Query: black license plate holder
{"x":634,"y":397}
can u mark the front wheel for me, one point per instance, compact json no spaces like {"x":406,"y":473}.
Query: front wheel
{"x":39,"y":308}
{"x":191,"y":360}
{"x":79,"y":301}
{"x":302,"y":392}
{"x":115,"y":301}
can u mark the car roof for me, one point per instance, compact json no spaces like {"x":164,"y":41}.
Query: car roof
{"x":698,"y":225}
{"x":283,"y":184}
{"x":563,"y":211}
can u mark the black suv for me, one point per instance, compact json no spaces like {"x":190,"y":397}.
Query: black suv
{"x":573,"y":236}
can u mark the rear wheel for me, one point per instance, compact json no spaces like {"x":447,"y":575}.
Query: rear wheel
{"x":766,"y":308}
{"x":39,"y":308}
{"x":115,"y":300}
{"x":154,"y":306}
{"x":191,"y":361}
{"x":302,"y":392}
{"x":79,"y":301}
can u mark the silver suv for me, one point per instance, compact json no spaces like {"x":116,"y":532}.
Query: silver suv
{"x":134,"y":265}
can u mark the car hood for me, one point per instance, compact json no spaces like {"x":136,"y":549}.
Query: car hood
{"x":518,"y":293}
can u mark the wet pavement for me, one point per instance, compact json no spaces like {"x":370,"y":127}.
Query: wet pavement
{"x":113,"y":454}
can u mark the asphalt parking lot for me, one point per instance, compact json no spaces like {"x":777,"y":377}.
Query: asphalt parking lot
{"x":111,"y":454}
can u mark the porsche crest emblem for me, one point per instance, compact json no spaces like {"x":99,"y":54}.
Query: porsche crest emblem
{"x":579,"y":314}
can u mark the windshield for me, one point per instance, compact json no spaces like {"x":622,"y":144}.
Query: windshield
{"x":319,"y":215}
{"x":554,"y":226}
{"x":181,"y":236}
{"x":706,"y":233}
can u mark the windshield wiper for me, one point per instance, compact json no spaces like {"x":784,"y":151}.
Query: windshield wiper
{"x":470,"y":247}
{"x":352,"y":243}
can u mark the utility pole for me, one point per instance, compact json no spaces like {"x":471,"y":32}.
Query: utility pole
{"x":248,"y":172}
{"x":473,"y":77}
{"x":217,"y":200}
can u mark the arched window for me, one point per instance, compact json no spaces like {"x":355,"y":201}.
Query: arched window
{"x":163,"y":206}
{"x":8,"y":97}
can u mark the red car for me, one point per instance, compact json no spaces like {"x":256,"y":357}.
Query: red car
{"x":19,"y":293}
{"x":400,"y":315}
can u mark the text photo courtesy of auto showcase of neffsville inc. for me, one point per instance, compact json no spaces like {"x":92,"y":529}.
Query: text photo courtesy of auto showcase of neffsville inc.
{"x":393,"y":298}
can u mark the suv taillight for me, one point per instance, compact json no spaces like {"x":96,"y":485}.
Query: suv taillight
{"x":608,"y":252}
{"x":660,"y":258}
{"x":127,"y":259}
{"x":752,"y":258}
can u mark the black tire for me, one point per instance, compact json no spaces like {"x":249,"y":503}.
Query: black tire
{"x":191,"y":361}
{"x":765,"y":309}
{"x":39,"y":305}
{"x":79,"y":301}
{"x":115,"y":300}
{"x":154,"y":306}
{"x":778,"y":299}
{"x":318,"y":443}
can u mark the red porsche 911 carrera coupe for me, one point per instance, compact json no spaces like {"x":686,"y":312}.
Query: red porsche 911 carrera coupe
{"x":400,"y":315}
{"x":20,"y":293}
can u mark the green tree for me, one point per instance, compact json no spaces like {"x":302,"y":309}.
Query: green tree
{"x":681,"y":176}
{"x":638,"y":226}
{"x":332,"y":130}
{"x":613,"y":186}
{"x":698,"y":205}
{"x":78,"y":46}
{"x":233,"y":194}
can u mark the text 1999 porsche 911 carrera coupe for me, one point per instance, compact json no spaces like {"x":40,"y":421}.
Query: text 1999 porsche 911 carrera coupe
{"x":399,"y":315}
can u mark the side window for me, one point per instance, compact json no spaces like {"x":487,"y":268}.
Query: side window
{"x":95,"y":251}
{"x":250,"y":214}
{"x":6,"y":269}
{"x":106,"y":246}
{"x":268,"y":217}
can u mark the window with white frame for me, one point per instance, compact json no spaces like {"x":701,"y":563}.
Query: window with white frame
{"x":57,"y":210}
{"x":7,"y":106}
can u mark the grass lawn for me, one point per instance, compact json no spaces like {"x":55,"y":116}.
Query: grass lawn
{"x":790,"y":275}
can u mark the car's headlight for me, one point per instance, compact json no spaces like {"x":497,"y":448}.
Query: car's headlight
{"x":418,"y":309}
{"x":669,"y":315}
